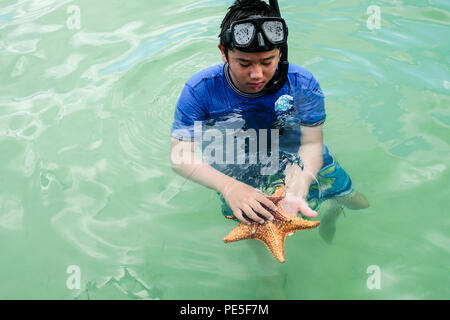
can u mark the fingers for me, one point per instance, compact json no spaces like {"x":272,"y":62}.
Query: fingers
{"x":261,"y":211}
{"x":307,"y":211}
{"x":246,"y":216}
{"x":252,"y":214}
{"x":259,"y":205}
{"x":262,"y":198}
{"x":249,"y":204}
{"x":241,"y":216}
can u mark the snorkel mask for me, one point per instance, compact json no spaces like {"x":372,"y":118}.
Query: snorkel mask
{"x":257,"y":34}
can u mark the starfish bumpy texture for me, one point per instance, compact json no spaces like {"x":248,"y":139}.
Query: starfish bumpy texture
{"x":271,"y":233}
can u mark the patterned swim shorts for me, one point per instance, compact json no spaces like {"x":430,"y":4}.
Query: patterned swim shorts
{"x":332,"y":178}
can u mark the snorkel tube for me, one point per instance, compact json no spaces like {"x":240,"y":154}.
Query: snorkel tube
{"x":278,"y":81}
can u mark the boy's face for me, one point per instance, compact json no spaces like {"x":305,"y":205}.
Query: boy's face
{"x":251,"y":71}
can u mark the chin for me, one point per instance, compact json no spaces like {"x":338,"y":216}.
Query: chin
{"x":255,"y":90}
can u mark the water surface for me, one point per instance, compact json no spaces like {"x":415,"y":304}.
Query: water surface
{"x":85,"y":114}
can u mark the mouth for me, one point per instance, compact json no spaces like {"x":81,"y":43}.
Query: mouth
{"x":256,"y":84}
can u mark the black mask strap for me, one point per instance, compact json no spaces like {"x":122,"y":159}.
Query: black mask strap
{"x":276,"y":83}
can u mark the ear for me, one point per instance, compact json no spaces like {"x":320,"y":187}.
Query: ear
{"x":222,"y":50}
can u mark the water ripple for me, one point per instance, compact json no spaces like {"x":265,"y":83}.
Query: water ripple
{"x":11,"y":212}
{"x":26,"y":11}
{"x":85,"y":119}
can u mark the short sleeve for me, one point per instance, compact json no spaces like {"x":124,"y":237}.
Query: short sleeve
{"x":189,"y":109}
{"x":309,"y":105}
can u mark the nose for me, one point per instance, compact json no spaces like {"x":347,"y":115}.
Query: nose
{"x":256,"y":72}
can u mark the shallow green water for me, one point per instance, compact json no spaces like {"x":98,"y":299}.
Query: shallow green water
{"x":85,"y":116}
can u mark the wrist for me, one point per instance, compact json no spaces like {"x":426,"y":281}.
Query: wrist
{"x":297,"y":182}
{"x":296,"y":192}
{"x":225,"y":186}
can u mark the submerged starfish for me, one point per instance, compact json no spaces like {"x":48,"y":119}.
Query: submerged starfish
{"x":271,"y":233}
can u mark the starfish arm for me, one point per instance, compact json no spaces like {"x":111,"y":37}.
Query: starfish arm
{"x":272,"y":233}
{"x":241,"y":232}
{"x":299,"y":224}
{"x":273,"y":238}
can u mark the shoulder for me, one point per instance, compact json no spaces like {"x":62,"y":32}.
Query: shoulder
{"x":204,"y":76}
{"x":301,"y":74}
{"x":301,"y":78}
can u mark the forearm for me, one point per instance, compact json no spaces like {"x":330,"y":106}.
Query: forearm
{"x":205,"y":175}
{"x":186,"y":163}
{"x":298,"y":181}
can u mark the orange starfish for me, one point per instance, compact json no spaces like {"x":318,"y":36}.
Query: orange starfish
{"x":271,"y":233}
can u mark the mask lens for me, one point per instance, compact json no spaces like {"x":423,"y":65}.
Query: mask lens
{"x":274,"y":31}
{"x":243,"y":33}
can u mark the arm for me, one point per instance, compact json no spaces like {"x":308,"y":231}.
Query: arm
{"x":241,"y":197}
{"x":298,"y":181}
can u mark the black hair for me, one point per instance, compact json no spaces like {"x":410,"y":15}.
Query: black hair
{"x":242,"y":9}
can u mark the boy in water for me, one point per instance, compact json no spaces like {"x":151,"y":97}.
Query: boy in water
{"x":257,"y":87}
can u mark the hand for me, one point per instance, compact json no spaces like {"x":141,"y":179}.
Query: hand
{"x":293,"y":204}
{"x":244,"y":199}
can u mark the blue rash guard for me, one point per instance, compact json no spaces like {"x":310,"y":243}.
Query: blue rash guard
{"x":211,"y":99}
{"x":210,"y":94}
